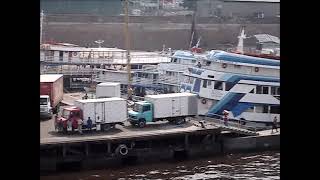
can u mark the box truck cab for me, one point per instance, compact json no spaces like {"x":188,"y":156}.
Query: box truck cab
{"x":141,"y":114}
{"x":45,"y":106}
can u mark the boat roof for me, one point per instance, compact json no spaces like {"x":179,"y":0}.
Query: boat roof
{"x":260,"y":99}
{"x":100,"y":100}
{"x":268,"y":1}
{"x":50,"y":77}
{"x":263,"y":83}
{"x":79,"y":49}
{"x":183,"y":55}
{"x":108,"y":84}
{"x":170,"y":95}
{"x":232,"y":57}
{"x":263,"y":38}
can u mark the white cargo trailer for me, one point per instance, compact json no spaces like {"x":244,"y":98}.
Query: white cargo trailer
{"x":173,"y":105}
{"x":106,"y":112}
{"x":108,"y":89}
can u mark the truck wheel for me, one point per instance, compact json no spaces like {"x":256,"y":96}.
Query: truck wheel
{"x":142,"y":123}
{"x":106,"y":127}
{"x":122,"y":150}
{"x":179,"y":121}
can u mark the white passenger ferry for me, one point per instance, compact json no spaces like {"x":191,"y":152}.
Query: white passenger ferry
{"x":248,"y":87}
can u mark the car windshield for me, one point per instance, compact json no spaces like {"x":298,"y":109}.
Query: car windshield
{"x":43,"y":101}
{"x":65,"y":114}
{"x":137,"y":107}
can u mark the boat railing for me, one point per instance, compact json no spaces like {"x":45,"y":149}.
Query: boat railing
{"x":135,"y":59}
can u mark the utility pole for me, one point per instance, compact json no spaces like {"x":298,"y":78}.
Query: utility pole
{"x":127,"y":41}
{"x":41,"y":22}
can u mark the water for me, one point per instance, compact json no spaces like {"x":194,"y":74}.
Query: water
{"x":265,"y":165}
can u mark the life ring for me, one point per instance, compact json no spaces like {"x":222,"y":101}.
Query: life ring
{"x":203,"y":101}
{"x":75,"y":53}
{"x":224,"y":65}
{"x":256,"y":69}
{"x":122,"y":149}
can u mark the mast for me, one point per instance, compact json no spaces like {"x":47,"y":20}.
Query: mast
{"x":127,"y":42}
{"x":241,"y":37}
{"x":41,"y":22}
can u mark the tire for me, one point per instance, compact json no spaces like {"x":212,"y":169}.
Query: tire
{"x":122,"y":150}
{"x":142,"y":123}
{"x":179,"y":121}
{"x":105,"y":127}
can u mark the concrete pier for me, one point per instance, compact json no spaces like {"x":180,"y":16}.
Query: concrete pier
{"x":157,"y":142}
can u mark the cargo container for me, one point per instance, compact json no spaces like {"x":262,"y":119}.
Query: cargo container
{"x":51,"y":93}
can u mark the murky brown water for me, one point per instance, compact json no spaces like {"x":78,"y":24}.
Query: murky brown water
{"x":263,"y":165}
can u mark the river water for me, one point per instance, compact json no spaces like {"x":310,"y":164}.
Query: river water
{"x":262,"y":165}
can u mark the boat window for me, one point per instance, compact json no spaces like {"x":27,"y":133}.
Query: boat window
{"x":265,"y":90}
{"x":210,"y":76}
{"x":209,"y":84}
{"x":204,"y":83}
{"x":218,"y":85}
{"x":60,"y":55}
{"x":174,"y":60}
{"x":250,"y":109}
{"x":259,"y":90}
{"x":273,"y":90}
{"x":278,"y":91}
{"x":275,"y":109}
{"x":229,"y":85}
{"x":191,"y":80}
{"x":265,"y":109}
{"x":193,"y":61}
{"x":237,"y":66}
{"x":208,"y":63}
{"x":252,"y":91}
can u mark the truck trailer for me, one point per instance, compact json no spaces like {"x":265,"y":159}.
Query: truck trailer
{"x":51,"y":94}
{"x":104,"y":114}
{"x":173,"y":107}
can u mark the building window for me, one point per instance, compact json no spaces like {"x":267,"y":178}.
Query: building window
{"x":265,"y":90}
{"x":259,"y":90}
{"x":204,"y":85}
{"x":60,"y":55}
{"x":229,"y":85}
{"x":218,"y":85}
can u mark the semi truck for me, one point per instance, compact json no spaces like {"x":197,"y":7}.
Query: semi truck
{"x":104,"y":114}
{"x":174,"y":107}
{"x":51,"y":94}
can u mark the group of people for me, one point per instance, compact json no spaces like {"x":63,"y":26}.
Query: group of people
{"x":77,"y":122}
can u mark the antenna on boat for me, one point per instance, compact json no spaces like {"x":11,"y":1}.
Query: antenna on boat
{"x":41,"y":22}
{"x":99,"y":42}
{"x":241,"y":37}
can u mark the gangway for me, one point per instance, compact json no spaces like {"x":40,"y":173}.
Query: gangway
{"x":232,"y":126}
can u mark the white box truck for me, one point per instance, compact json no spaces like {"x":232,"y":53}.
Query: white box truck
{"x":108,"y":89}
{"x":104,"y":114}
{"x":173,"y":107}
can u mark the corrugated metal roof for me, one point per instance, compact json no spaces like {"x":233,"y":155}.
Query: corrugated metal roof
{"x":100,"y":100}
{"x":50,"y":77}
{"x":263,"y":38}
{"x":268,"y":1}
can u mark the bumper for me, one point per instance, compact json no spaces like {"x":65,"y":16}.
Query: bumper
{"x":45,"y":115}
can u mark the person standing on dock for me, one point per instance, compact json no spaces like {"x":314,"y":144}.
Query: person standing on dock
{"x":89,"y":123}
{"x":80,"y":122}
{"x":274,"y":124}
